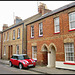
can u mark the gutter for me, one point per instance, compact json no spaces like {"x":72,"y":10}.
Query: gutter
{"x":13,"y":27}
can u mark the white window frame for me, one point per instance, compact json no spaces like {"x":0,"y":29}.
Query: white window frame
{"x":71,"y":21}
{"x":67,"y":50}
{"x":7,"y":36}
{"x":17,"y":49}
{"x":14,"y":34}
{"x":40,"y":29}
{"x":33,"y":53}
{"x":4,"y":36}
{"x":55,"y":25}
{"x":18,"y":32}
{"x":32,"y":32}
{"x":4,"y":50}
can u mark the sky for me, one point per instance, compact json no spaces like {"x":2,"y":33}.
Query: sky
{"x":24,"y":9}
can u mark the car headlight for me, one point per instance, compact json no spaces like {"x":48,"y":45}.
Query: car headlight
{"x":27,"y":62}
{"x":23,"y":62}
{"x":33,"y":61}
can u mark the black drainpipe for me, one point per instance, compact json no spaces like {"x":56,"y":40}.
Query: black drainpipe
{"x":1,"y":43}
{"x":22,"y":38}
{"x":26,"y":39}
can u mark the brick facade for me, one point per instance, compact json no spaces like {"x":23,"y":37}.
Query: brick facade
{"x":49,"y":36}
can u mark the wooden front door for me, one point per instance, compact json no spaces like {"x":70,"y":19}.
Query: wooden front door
{"x":10,"y":51}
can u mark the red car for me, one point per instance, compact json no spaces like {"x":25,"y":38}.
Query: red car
{"x":22,"y":61}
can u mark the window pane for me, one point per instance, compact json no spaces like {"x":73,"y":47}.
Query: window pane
{"x":72,"y":25}
{"x":18,"y":32}
{"x":32,"y":31}
{"x":40,"y":29}
{"x":17,"y":49}
{"x":69,"y":51}
{"x":56,"y":24}
{"x":34,"y":52}
{"x":74,"y":16}
{"x":70,"y":17}
{"x":57,"y":28}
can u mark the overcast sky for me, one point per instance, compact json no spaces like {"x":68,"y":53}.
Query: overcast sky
{"x":24,"y":9}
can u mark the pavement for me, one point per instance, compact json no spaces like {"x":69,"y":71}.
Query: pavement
{"x":44,"y":69}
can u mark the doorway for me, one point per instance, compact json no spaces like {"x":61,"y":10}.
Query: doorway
{"x":45,"y":54}
{"x":52,"y":56}
{"x":10,"y":51}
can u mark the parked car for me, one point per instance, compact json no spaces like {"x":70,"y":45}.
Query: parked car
{"x":22,"y":61}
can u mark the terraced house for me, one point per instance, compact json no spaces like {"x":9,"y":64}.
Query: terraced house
{"x":14,"y":36}
{"x":51,"y":38}
{"x":12,"y":39}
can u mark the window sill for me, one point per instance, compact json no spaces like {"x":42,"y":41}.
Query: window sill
{"x":69,"y":63}
{"x":4,"y":54}
{"x":32,"y":37}
{"x":40,"y":35}
{"x":57,"y":33}
{"x":18,"y":38}
{"x":72,"y":30}
{"x":13,"y":39}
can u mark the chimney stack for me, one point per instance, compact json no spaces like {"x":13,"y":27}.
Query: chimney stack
{"x":42,"y":8}
{"x":5,"y":26}
{"x":17,"y":20}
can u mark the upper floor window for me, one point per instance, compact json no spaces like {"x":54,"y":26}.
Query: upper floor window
{"x":56,"y":25}
{"x":40,"y":29}
{"x":7,"y":36}
{"x":32,"y":31}
{"x":0,"y":37}
{"x":72,"y":20}
{"x":18,"y":32}
{"x":4,"y":36}
{"x":69,"y":52}
{"x":13,"y":34}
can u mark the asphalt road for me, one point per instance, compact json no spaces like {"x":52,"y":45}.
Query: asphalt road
{"x":6,"y":69}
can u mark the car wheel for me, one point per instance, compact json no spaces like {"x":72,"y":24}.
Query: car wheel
{"x":20,"y":66}
{"x":33,"y":66}
{"x":10,"y":64}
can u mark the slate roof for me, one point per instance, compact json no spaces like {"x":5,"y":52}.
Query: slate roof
{"x":28,"y":20}
{"x":55,"y":11}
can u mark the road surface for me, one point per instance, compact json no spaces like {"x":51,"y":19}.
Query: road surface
{"x":6,"y":69}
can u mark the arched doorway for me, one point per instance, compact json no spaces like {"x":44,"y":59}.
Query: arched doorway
{"x":52,"y":55}
{"x":45,"y":54}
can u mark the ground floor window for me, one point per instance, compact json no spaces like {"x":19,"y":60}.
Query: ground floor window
{"x":17,"y":52}
{"x":69,"y":52}
{"x":4,"y":50}
{"x":34,"y":52}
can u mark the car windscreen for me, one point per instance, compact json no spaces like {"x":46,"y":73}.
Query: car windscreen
{"x":26,"y":57}
{"x":20,"y":58}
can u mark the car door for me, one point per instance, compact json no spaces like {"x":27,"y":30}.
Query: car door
{"x":12,"y":59}
{"x":15,"y":60}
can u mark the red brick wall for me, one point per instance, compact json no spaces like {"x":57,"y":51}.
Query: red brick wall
{"x":48,"y":32}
